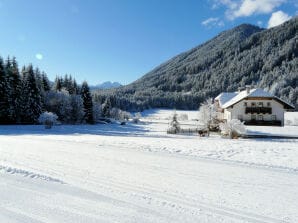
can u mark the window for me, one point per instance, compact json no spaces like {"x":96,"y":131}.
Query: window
{"x":273,"y":117}
{"x":245,"y":104}
{"x":253,"y":104}
{"x":260,"y":117}
{"x":253,"y":117}
{"x":240,"y":117}
{"x":260,"y":104}
{"x":268,"y":104}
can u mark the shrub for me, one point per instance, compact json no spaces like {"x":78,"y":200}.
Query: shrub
{"x":233,"y":128}
{"x":137,"y":117}
{"x":48,"y":119}
{"x":183,"y":117}
{"x":174,"y":125}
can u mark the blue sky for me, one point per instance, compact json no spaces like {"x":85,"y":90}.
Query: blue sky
{"x":121,"y":40}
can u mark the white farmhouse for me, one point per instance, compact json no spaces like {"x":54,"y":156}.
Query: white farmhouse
{"x":253,"y":106}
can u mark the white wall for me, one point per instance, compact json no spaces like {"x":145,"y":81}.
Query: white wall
{"x":239,"y":110}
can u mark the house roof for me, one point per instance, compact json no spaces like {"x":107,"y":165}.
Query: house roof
{"x":260,"y":93}
{"x":225,"y":97}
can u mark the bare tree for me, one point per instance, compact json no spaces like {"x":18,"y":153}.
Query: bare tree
{"x":207,"y":114}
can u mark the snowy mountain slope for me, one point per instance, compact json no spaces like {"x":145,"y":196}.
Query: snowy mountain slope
{"x":106,"y":85}
{"x":244,"y":55}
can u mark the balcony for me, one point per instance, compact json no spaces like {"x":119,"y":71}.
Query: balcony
{"x":258,"y":110}
{"x":263,"y":123}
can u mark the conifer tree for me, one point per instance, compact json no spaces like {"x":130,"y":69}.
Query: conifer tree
{"x":45,"y":82}
{"x":4,"y":103}
{"x":58,"y":84}
{"x":174,"y":124}
{"x":77,"y":109}
{"x":87,"y":102}
{"x":106,"y":108}
{"x":14,"y":86}
{"x":31,"y":97}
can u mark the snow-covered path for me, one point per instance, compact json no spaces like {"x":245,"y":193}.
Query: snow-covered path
{"x":100,"y":178}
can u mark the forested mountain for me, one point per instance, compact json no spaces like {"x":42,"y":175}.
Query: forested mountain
{"x":244,"y":55}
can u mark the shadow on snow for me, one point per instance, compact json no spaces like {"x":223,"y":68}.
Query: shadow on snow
{"x":99,"y":129}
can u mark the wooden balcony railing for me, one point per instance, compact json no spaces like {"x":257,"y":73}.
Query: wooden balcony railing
{"x":262,"y":122}
{"x":258,"y":110}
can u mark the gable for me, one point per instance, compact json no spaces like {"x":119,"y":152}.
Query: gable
{"x":225,"y":97}
{"x":260,"y":94}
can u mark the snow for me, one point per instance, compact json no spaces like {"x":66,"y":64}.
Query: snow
{"x":225,"y":97}
{"x":252,"y":93}
{"x":292,"y":118}
{"x":138,"y":173}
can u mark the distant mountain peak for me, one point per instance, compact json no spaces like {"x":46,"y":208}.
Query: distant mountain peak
{"x":106,"y":85}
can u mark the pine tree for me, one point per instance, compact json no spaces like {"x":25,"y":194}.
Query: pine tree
{"x":174,"y":124}
{"x":45,"y":82}
{"x":87,"y":102}
{"x":77,"y":109}
{"x":14,"y":83}
{"x":38,"y":79}
{"x":58,"y":84}
{"x":4,"y":102}
{"x":31,"y":97}
{"x":106,"y":108}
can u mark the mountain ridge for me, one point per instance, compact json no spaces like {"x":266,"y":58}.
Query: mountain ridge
{"x":243,"y":55}
{"x":106,"y":85}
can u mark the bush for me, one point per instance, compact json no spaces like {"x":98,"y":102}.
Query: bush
{"x":137,"y":117}
{"x":183,"y":117}
{"x":233,"y":128}
{"x":48,"y":119}
{"x":174,"y":125}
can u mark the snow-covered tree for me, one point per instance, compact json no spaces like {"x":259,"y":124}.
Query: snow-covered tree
{"x":4,"y":89}
{"x":77,"y":109}
{"x":174,"y":124}
{"x":16,"y":86}
{"x":106,"y":108}
{"x":59,"y":103}
{"x":13,"y":85}
{"x":46,"y":86}
{"x":137,"y":117}
{"x":115,"y":113}
{"x":96,"y":111}
{"x":31,"y":101}
{"x":48,"y":119}
{"x":207,"y":113}
{"x":124,"y":115}
{"x":232,"y":128}
{"x":58,"y":84}
{"x":87,"y":101}
{"x":183,"y":117}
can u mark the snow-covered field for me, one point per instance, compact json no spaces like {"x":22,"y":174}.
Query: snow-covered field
{"x":138,"y":173}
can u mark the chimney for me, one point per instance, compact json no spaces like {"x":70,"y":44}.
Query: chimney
{"x":248,"y":87}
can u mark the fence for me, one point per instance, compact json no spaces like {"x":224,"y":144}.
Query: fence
{"x":199,"y":131}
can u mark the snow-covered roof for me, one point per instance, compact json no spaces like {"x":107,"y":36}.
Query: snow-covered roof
{"x":253,"y":93}
{"x":225,"y":97}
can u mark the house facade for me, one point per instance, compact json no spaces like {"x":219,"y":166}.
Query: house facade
{"x":252,"y":106}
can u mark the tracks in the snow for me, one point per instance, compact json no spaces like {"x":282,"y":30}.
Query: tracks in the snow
{"x":181,"y":204}
{"x":29,"y":174}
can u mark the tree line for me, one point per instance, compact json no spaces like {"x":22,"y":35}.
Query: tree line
{"x":25,"y":94}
